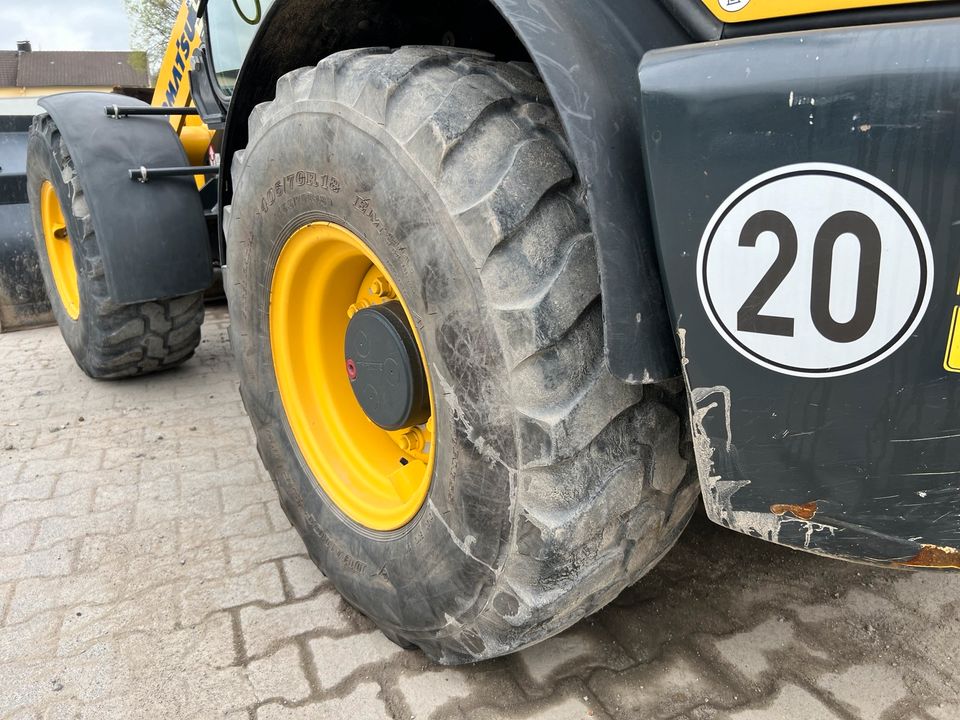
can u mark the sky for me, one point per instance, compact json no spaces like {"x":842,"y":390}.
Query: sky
{"x":64,"y":24}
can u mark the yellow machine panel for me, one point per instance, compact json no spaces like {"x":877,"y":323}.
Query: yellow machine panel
{"x":735,"y":11}
{"x":173,"y":84}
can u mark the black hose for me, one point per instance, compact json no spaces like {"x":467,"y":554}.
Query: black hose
{"x":243,"y":16}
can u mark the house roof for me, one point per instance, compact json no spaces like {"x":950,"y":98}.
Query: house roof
{"x":8,"y":68}
{"x":70,"y":68}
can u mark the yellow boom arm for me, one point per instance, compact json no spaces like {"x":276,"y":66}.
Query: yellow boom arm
{"x":173,"y":84}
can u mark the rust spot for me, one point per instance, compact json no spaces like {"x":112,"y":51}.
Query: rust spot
{"x":935,"y":556}
{"x":804,"y":512}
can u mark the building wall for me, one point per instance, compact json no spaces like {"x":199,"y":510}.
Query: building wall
{"x":39,"y":92}
{"x":18,"y":106}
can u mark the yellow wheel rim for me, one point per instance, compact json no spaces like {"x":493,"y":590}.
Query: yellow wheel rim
{"x":377,"y":478}
{"x":59,"y":250}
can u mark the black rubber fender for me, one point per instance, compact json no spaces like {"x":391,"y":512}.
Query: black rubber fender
{"x":153,"y":236}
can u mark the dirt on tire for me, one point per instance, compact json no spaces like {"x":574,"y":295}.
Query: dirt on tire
{"x":556,"y":485}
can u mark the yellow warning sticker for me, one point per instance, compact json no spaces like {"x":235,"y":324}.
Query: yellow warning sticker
{"x":734,"y":11}
{"x":951,"y":361}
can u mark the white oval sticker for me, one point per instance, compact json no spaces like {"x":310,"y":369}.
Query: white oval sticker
{"x":733,"y":5}
{"x":815,"y":270}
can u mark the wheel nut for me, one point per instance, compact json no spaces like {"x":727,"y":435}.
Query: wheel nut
{"x":412,"y":440}
{"x":381,"y":288}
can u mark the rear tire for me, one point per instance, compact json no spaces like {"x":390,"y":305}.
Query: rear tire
{"x":108,"y":340}
{"x":555,"y":484}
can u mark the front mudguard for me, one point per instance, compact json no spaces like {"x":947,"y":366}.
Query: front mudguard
{"x":153,"y":236}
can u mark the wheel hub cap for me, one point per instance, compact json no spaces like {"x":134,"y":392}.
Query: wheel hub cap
{"x":384,"y":367}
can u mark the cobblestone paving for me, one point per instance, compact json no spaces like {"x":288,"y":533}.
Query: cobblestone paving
{"x":147,"y":571}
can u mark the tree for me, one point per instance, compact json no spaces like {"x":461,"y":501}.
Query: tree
{"x":150,"y":24}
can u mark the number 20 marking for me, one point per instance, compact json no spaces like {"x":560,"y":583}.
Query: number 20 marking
{"x":847,"y":222}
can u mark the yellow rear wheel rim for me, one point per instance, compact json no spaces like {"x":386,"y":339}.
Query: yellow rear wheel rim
{"x":59,"y":251}
{"x":377,"y":478}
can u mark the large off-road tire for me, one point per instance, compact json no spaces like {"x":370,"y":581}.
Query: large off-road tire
{"x":555,"y":485}
{"x":108,"y":340}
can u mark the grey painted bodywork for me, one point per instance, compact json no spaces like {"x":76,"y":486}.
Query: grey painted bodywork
{"x":23,"y":299}
{"x":862,"y":466}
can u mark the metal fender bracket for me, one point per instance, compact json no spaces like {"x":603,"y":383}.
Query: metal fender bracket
{"x":118,"y":112}
{"x":806,"y":190}
{"x":145,"y":174}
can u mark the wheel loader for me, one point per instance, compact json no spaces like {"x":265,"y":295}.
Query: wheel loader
{"x":512,"y":284}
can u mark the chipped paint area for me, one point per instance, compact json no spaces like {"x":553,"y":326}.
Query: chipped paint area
{"x":935,"y":556}
{"x":717,"y":492}
{"x":810,"y":527}
{"x":804,"y":512}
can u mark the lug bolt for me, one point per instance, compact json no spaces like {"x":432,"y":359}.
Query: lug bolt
{"x":360,"y":305}
{"x":412,"y":440}
{"x":381,"y":288}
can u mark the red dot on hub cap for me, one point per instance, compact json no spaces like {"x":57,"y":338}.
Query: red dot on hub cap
{"x":352,"y":369}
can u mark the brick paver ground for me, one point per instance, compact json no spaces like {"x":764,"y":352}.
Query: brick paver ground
{"x":147,"y":571}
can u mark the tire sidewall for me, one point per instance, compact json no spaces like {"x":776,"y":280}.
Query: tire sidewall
{"x":446,"y":559}
{"x":42,"y":165}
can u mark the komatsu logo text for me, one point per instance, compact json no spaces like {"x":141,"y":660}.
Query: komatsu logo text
{"x":184,"y":45}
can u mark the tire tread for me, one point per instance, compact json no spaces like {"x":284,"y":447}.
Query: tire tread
{"x":121,"y":340}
